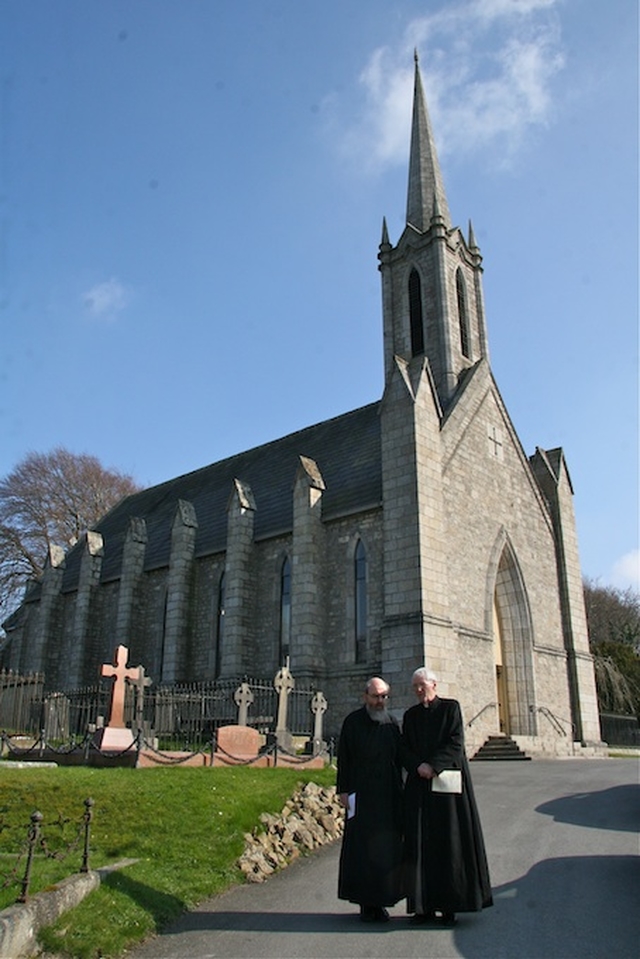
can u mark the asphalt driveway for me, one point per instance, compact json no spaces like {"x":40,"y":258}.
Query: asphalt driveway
{"x":563,"y":845}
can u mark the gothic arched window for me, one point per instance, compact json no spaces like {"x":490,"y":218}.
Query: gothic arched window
{"x":285,"y":610}
{"x":165,"y":603}
{"x":463,"y":317}
{"x":360,"y":580}
{"x":220,"y":610}
{"x":415,"y":314}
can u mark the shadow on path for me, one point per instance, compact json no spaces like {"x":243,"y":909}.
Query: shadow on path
{"x":162,"y":907}
{"x":582,"y":907}
{"x":615,"y":808}
{"x":565,"y":908}
{"x":278,"y":922}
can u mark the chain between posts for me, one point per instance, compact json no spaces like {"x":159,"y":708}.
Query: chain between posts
{"x":35,"y":839}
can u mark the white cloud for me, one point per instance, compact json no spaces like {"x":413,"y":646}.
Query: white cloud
{"x":626,"y":571}
{"x":487,"y":66}
{"x":489,"y":9}
{"x":106,"y":300}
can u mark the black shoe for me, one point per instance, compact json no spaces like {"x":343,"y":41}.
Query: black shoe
{"x":448,"y":919}
{"x":381,"y":914}
{"x":422,"y":918}
{"x":368,"y":914}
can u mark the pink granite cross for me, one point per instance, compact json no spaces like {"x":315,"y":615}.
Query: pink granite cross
{"x":120,"y":672}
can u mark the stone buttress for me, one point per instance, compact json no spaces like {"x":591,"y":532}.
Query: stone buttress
{"x":183,"y":537}
{"x":88,"y":581}
{"x":239,"y":586}
{"x":133,"y":555}
{"x":551,"y":471}
{"x":307,"y":558}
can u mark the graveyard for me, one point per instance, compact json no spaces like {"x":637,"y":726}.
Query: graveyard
{"x":124,"y":737}
{"x":162,"y":828}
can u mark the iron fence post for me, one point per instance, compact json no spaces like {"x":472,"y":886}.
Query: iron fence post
{"x":88,"y":814}
{"x":33,"y":836}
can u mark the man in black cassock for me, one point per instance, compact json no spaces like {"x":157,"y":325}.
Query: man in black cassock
{"x":445,"y":859}
{"x":369,"y":784}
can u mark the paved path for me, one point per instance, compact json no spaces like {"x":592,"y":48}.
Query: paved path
{"x":562,"y":839}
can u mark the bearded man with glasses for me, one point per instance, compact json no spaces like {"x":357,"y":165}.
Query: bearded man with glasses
{"x":369,"y":784}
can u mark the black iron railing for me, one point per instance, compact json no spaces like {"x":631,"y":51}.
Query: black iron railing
{"x":178,"y":715}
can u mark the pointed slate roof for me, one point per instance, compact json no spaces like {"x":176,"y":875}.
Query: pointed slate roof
{"x":345,"y":448}
{"x":425,"y":191}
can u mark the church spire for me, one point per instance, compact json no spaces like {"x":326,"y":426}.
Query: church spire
{"x":426,"y":189}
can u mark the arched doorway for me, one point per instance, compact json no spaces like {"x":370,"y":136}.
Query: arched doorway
{"x":513,"y":648}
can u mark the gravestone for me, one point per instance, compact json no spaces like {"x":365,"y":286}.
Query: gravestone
{"x":283,"y":683}
{"x":140,"y":684}
{"x":237,"y":744}
{"x":318,"y":708}
{"x":56,"y":717}
{"x":243,"y":698}
{"x":115,"y":736}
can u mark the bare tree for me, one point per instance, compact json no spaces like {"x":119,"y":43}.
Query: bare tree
{"x":50,"y":499}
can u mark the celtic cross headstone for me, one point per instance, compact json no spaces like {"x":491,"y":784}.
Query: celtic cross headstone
{"x":283,"y":683}
{"x":318,"y":708}
{"x":243,"y":697}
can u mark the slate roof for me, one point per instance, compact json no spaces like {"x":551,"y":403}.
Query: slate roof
{"x":346,"y":449}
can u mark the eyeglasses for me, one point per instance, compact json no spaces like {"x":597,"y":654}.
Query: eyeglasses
{"x":378,"y":695}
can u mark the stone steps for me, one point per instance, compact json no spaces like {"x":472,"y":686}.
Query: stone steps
{"x":499,"y":748}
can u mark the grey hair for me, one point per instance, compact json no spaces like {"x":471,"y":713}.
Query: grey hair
{"x":426,"y":675}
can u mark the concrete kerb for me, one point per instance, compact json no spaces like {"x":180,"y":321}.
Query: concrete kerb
{"x":20,"y":924}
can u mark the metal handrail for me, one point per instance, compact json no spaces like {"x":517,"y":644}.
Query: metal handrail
{"x":554,"y":720}
{"x":477,"y":715}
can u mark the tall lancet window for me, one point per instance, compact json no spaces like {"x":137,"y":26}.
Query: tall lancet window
{"x":165,"y":603}
{"x":220,"y":610}
{"x":285,"y":610}
{"x":415,"y":313}
{"x":360,"y":577}
{"x":463,"y":316}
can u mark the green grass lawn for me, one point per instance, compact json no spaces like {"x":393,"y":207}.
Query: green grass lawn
{"x":185,"y":827}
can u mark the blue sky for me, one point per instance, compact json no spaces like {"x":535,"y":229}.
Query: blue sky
{"x":191,"y":202}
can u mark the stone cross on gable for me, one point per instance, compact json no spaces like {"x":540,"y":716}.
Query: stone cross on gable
{"x":495,"y":440}
{"x":284,"y":683}
{"x":243,"y":697}
{"x":120,"y":672}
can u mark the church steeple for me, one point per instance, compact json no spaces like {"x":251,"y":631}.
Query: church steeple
{"x":426,"y":189}
{"x":432,"y":279}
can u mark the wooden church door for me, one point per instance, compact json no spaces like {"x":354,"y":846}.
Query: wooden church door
{"x":501,"y":677}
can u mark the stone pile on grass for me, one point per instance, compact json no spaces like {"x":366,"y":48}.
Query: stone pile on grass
{"x":311,"y":818}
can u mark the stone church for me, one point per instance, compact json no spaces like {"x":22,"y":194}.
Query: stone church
{"x":413,"y":530}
